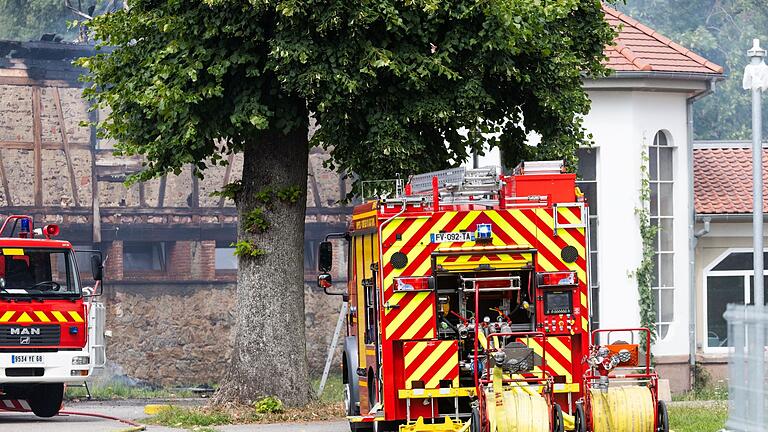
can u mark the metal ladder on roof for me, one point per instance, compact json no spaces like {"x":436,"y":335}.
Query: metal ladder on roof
{"x":475,"y":181}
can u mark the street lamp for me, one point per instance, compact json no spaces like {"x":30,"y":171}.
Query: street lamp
{"x":756,"y":79}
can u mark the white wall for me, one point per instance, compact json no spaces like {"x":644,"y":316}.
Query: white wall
{"x":622,"y":122}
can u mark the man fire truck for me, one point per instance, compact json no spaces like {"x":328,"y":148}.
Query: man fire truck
{"x":464,"y":283}
{"x":51,"y":326}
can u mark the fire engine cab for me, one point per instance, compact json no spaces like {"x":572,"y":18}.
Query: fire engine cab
{"x":464,"y":287}
{"x":51,"y":326}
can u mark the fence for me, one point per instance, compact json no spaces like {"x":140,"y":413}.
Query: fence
{"x":748,"y":404}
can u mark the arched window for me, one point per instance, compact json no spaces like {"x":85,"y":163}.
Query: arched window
{"x":661,"y":176}
{"x":729,"y":279}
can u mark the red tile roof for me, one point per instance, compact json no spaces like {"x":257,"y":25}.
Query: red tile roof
{"x":722,"y":180}
{"x":639,"y":48}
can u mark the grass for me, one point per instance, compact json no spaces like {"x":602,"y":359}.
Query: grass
{"x":122,"y":391}
{"x":703,"y":417}
{"x":705,"y":394}
{"x":333,"y":391}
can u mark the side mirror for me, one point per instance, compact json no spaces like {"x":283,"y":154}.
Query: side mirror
{"x":324,"y":281}
{"x":325,"y":257}
{"x":97,"y":267}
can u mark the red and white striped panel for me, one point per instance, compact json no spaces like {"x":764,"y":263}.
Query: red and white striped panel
{"x":14,"y":405}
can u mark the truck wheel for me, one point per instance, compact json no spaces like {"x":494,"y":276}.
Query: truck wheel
{"x":45,"y":399}
{"x":557,"y":419}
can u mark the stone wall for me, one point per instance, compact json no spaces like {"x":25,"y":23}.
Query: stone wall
{"x":181,"y":334}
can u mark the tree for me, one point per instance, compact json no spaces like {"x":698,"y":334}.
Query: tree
{"x":722,"y":31}
{"x":28,"y":19}
{"x":390,"y":82}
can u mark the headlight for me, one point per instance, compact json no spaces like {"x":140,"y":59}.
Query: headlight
{"x":81,"y":360}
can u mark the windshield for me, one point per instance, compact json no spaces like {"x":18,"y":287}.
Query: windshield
{"x":32,"y":271}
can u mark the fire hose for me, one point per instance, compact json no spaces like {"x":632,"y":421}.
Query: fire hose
{"x":133,"y":425}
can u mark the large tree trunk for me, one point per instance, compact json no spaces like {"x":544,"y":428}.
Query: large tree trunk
{"x":270,"y":357}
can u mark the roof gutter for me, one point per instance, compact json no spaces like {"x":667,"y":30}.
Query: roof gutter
{"x":693,"y":236}
{"x":727,"y":217}
{"x":710,"y":77}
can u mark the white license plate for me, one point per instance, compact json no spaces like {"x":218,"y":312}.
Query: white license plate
{"x":462,"y":236}
{"x":26,"y":359}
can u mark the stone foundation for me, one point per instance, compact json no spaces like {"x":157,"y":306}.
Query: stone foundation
{"x":180,"y":334}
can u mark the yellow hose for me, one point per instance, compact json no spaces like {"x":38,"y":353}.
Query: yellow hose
{"x":517,"y":409}
{"x":622,"y":409}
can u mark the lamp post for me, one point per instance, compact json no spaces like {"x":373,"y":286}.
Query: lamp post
{"x":756,"y":79}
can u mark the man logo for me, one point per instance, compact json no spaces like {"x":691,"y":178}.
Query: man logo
{"x":24,"y":340}
{"x":25,"y":331}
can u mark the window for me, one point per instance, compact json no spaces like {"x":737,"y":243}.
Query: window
{"x":729,"y":280}
{"x":144,"y":256}
{"x":587,"y":172}
{"x":225,"y":258}
{"x":660,"y":174}
{"x":33,"y":271}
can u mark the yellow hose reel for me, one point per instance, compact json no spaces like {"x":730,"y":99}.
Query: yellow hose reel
{"x":622,"y":409}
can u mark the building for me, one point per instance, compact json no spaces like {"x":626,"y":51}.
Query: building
{"x":641,"y":119}
{"x":724,"y":271}
{"x":170,"y":269}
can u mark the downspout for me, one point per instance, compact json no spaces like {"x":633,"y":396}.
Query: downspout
{"x":693,"y":236}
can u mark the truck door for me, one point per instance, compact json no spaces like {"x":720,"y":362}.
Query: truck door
{"x":366,"y":255}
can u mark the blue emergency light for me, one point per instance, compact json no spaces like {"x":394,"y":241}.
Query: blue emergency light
{"x":25,"y":226}
{"x":484,"y":232}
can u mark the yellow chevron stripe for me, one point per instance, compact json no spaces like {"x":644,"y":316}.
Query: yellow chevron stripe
{"x":42,"y":316}
{"x":390,"y":227}
{"x":450,"y":365}
{"x":569,"y":216}
{"x":585,"y":324}
{"x":24,"y":318}
{"x":403,"y":314}
{"x":427,"y":364}
{"x":415,"y":226}
{"x":59,"y":316}
{"x":418,"y":248}
{"x":562,"y":233}
{"x":416,"y":350}
{"x":418,"y":324}
{"x":75,"y":316}
{"x":546,"y":241}
{"x":542,"y":261}
{"x":7,"y":316}
{"x":584,"y":300}
{"x":560,"y":347}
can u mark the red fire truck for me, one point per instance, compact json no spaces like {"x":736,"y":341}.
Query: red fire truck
{"x":51,"y":326}
{"x":457,"y":273}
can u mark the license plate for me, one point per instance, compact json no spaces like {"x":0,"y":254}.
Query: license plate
{"x":462,"y":236}
{"x":26,"y":359}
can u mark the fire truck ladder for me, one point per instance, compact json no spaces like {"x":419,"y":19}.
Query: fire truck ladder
{"x":460,"y":185}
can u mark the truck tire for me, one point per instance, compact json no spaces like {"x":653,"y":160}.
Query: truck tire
{"x":45,"y":399}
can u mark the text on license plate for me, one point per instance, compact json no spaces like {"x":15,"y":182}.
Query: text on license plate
{"x":26,"y":359}
{"x":462,"y":236}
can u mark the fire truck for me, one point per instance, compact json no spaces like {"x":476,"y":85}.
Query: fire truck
{"x":457,"y":275}
{"x":51,"y":325}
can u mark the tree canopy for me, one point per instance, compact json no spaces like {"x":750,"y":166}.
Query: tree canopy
{"x":396,"y":86}
{"x":721,"y":31}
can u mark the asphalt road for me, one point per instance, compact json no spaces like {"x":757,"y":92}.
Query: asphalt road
{"x":132,"y":410}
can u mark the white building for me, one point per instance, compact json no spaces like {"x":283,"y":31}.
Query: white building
{"x":641,"y":115}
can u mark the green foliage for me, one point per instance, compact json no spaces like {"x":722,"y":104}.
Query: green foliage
{"x":247,"y":248}
{"x":25,"y":20}
{"x":255,"y":221}
{"x":644,"y":272}
{"x":231,"y":191}
{"x":268,"y":405}
{"x":393,"y":84}
{"x":290,"y":195}
{"x":122,"y":391}
{"x":721,"y":31}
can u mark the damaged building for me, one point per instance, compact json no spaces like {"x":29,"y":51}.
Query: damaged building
{"x":170,"y":268}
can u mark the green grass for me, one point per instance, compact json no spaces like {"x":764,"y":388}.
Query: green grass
{"x":705,"y":394}
{"x":122,"y":391}
{"x":707,"y":417}
{"x":334,"y":388}
{"x":190,"y":418}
